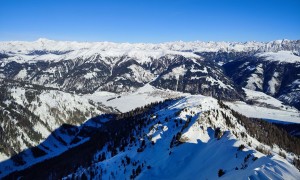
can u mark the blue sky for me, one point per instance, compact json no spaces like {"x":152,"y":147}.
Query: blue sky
{"x":150,"y":20}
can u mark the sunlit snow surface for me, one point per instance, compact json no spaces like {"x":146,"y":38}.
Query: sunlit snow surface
{"x":128,"y":101}
{"x":281,"y":56}
{"x":265,"y":106}
{"x":49,"y":50}
{"x":201,"y":155}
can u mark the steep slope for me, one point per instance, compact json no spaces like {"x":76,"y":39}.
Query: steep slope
{"x":198,"y":77}
{"x":276,"y":74}
{"x":176,"y":139}
{"x":125,"y":74}
{"x":260,"y":105}
{"x":29,"y":113}
{"x":189,"y":130}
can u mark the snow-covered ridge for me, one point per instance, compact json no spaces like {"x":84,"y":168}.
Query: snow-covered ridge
{"x":198,"y":147}
{"x":44,"y":49}
{"x":204,"y":114}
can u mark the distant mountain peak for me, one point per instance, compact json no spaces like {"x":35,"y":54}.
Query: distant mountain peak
{"x":44,"y":40}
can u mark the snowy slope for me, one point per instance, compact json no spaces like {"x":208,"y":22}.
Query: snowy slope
{"x":86,"y":67}
{"x":262,"y":105}
{"x":281,"y":56}
{"x":29,"y":114}
{"x":263,"y":99}
{"x":93,"y":69}
{"x":274,"y":73}
{"x":200,"y":154}
{"x":255,"y":81}
{"x":49,"y":101}
{"x":197,"y":118}
{"x":266,"y":107}
{"x":265,"y":113}
{"x":125,"y":102}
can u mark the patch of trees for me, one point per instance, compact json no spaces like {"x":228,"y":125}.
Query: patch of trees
{"x":175,"y":140}
{"x":65,"y":163}
{"x":186,"y":124}
{"x":9,"y":83}
{"x":31,"y":95}
{"x":25,"y":121}
{"x":267,"y":133}
{"x":102,"y":157}
{"x":37,"y":152}
{"x":142,"y":146}
{"x":121,"y":131}
{"x":293,"y":129}
{"x":241,"y":147}
{"x":221,"y":172}
{"x":136,"y":172}
{"x":218,"y":133}
{"x":246,"y":160}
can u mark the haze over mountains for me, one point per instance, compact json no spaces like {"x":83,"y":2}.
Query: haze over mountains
{"x":63,"y":98}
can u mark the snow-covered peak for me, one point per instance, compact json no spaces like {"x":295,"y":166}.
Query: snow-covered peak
{"x":45,"y":49}
{"x":44,"y":40}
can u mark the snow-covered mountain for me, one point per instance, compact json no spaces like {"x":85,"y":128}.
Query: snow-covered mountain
{"x":194,"y":136}
{"x":98,"y":102}
{"x":30,"y":113}
{"x":44,"y":49}
{"x":277,"y":74}
{"x":182,"y":66}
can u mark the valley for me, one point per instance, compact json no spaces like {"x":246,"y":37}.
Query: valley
{"x":150,"y":111}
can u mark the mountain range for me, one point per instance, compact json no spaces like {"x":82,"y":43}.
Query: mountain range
{"x":176,"y":110}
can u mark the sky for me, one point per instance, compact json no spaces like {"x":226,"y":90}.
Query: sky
{"x":150,"y":21}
